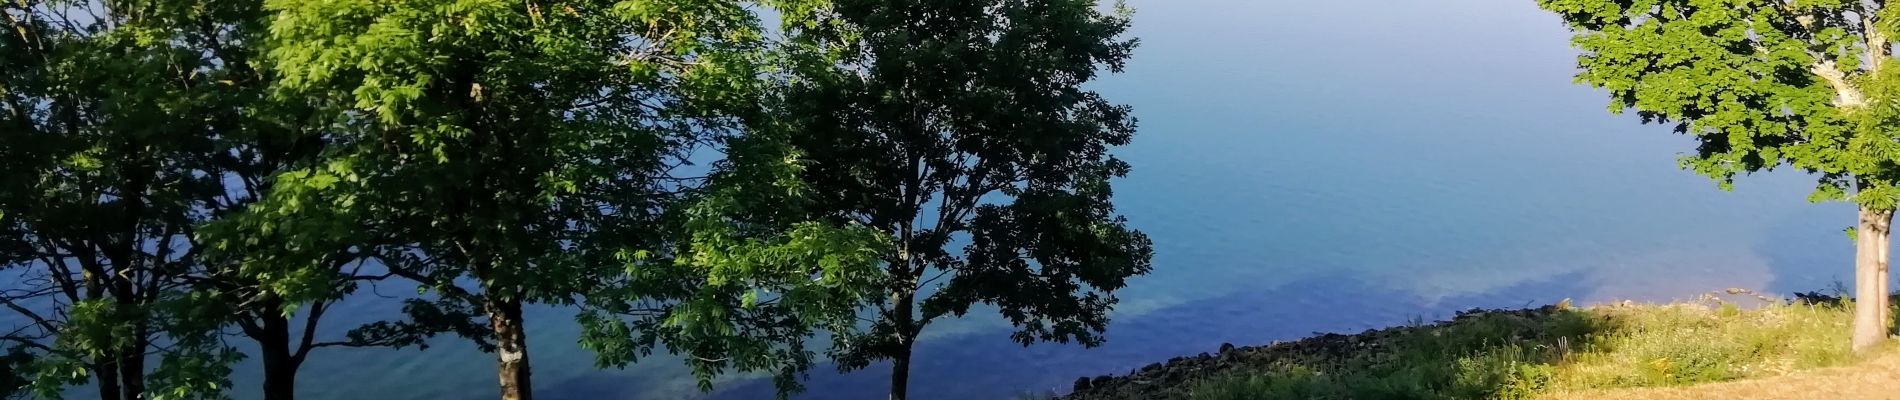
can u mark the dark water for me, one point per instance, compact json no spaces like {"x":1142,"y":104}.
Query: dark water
{"x":1308,"y":166}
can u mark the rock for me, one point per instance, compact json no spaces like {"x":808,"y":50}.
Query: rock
{"x":1226,"y":347}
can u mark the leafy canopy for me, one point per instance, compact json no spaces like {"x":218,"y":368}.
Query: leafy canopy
{"x":961,"y":132}
{"x":1759,"y":83}
{"x":511,"y":142}
{"x":536,"y":148}
{"x":129,"y":126}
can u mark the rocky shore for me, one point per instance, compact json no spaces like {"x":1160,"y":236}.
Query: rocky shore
{"x":1174,"y":377}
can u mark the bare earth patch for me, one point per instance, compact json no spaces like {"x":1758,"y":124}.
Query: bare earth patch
{"x":1878,"y":378}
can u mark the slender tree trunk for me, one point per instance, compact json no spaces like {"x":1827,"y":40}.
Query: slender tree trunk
{"x":280,"y":365}
{"x":511,"y":348}
{"x":906,"y":339}
{"x":1870,"y":298}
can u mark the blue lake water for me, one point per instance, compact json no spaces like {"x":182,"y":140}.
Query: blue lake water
{"x":1306,"y":166}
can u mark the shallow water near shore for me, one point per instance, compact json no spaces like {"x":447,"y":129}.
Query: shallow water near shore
{"x":1302,"y":167}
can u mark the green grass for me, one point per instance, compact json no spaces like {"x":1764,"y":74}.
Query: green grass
{"x":1517,"y":355}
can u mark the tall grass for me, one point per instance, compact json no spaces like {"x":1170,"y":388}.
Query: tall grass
{"x":1516,"y":355}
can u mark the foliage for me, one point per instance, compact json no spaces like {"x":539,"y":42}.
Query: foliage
{"x":494,"y":137}
{"x":757,"y":288}
{"x":1759,"y":83}
{"x":532,"y":152}
{"x":963,"y":124}
{"x":128,"y":125}
{"x":179,"y":167}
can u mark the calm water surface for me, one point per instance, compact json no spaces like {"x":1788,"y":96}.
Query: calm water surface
{"x":1306,"y":166}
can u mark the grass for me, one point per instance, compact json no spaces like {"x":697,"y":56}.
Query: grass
{"x":1874,"y":378}
{"x":1557,"y":349}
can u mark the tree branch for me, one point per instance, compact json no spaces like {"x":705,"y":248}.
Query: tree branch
{"x":309,"y":332}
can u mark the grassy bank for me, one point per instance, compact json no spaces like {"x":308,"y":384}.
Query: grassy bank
{"x":1514,"y":354}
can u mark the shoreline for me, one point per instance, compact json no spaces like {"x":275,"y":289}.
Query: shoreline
{"x":1330,"y":355}
{"x":1168,"y":378}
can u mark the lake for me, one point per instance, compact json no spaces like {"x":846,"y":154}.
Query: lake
{"x":1305,"y":166}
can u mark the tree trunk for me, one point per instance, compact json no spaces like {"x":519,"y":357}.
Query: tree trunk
{"x":108,"y":375}
{"x":132,"y":366}
{"x":280,"y":365}
{"x":132,"y":376}
{"x":511,"y":348}
{"x":906,"y":339}
{"x":900,"y":373}
{"x":1870,"y":297}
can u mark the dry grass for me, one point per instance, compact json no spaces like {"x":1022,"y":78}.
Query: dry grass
{"x":1679,"y":344}
{"x":1876,"y":379}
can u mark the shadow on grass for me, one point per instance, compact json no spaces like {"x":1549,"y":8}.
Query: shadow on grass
{"x":1838,"y":298}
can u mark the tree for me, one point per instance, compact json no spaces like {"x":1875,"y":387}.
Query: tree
{"x":744,"y":273}
{"x":1762,"y":84}
{"x":507,"y":147}
{"x":272,"y":267}
{"x":944,"y":124}
{"x":750,"y":278}
{"x":111,"y":110}
{"x":157,"y":112}
{"x":257,"y":262}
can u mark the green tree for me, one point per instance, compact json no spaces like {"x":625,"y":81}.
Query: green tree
{"x":258,"y":264}
{"x":746,"y":274}
{"x":960,"y":131}
{"x":1762,"y":84}
{"x":750,"y":279}
{"x":157,"y":113}
{"x":111,"y":111}
{"x":510,"y":148}
{"x":272,"y":267}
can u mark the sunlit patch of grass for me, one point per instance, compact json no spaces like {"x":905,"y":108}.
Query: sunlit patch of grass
{"x":1517,"y":355}
{"x":1685,"y":344}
